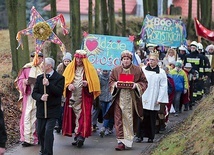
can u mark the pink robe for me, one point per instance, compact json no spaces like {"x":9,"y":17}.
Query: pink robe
{"x":28,"y":117}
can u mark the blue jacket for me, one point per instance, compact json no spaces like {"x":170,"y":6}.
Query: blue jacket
{"x":180,"y":80}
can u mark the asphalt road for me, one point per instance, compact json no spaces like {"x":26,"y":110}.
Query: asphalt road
{"x":95,"y":145}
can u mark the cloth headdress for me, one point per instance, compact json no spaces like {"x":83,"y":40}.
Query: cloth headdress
{"x":90,"y":73}
{"x":80,"y":54}
{"x":126,"y":53}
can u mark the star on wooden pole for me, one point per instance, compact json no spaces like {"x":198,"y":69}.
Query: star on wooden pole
{"x":42,"y":31}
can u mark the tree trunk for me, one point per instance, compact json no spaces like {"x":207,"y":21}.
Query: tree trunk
{"x":53,"y":46}
{"x":124,"y":17}
{"x":97,"y":17}
{"x":23,"y":55}
{"x":111,"y":17}
{"x":90,"y":16}
{"x":210,"y":15}
{"x":165,"y":7}
{"x":189,"y":20}
{"x":153,"y":7}
{"x":11,"y":6}
{"x":145,"y":7}
{"x":75,"y":25}
{"x":198,"y":10}
{"x":206,"y":8}
{"x":104,"y":17}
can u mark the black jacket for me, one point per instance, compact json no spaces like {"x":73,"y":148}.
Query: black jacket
{"x":3,"y":134}
{"x":54,"y":90}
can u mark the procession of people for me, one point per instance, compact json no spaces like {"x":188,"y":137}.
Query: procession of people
{"x":132,"y":112}
{"x":132,"y":95}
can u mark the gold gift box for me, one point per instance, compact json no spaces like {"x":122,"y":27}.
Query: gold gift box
{"x":125,"y":81}
{"x":126,"y":85}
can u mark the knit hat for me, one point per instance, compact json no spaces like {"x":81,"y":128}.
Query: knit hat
{"x":67,"y":56}
{"x":126,"y":53}
{"x":178,"y":64}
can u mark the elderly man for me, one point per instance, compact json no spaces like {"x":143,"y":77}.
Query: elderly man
{"x":126,"y":103}
{"x":82,"y":86}
{"x":47,"y":115}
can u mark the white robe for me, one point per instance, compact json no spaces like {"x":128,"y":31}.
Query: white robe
{"x":156,"y":90}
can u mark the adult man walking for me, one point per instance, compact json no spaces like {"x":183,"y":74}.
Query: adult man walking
{"x":54,"y":85}
{"x":155,"y":95}
{"x":82,"y":86}
{"x":126,"y":103}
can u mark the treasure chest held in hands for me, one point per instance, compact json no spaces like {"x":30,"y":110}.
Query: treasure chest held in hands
{"x":125,"y":81}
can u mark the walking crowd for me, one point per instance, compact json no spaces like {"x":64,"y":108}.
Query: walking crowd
{"x":73,"y":98}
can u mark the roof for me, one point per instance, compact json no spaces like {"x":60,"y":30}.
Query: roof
{"x":62,"y":6}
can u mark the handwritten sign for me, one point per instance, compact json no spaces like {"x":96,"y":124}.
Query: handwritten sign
{"x":163,"y":31}
{"x":104,"y":51}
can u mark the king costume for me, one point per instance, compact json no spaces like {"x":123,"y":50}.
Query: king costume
{"x":77,"y":117}
{"x":126,"y":103}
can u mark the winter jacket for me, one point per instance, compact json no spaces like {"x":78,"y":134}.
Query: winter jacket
{"x":54,"y":91}
{"x":105,"y":95}
{"x":180,"y":79}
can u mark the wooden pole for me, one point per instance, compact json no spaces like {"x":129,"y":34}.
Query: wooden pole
{"x":199,"y":39}
{"x":45,"y":103}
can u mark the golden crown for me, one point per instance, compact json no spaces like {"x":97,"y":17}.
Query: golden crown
{"x":154,"y":53}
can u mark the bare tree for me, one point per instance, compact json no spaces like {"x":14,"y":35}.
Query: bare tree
{"x":23,"y":55}
{"x":75,"y":24}
{"x":111,"y":17}
{"x":12,"y":23}
{"x":206,"y":12}
{"x":145,"y":7}
{"x":124,"y":17}
{"x":165,"y":7}
{"x":97,"y":17}
{"x":189,"y":20}
{"x":104,"y":17}
{"x":53,"y":46}
{"x":90,"y":16}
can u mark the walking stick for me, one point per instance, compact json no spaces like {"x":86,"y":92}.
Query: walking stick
{"x":45,"y":102}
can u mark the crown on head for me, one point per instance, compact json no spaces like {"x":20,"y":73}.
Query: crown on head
{"x":154,"y":53}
